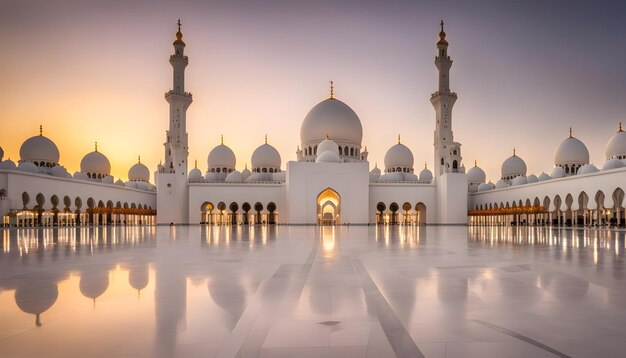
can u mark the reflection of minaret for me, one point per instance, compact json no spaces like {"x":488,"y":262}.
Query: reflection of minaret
{"x":35,"y":296}
{"x":447,"y":151}
{"x":227,"y":293}
{"x":94,"y":282}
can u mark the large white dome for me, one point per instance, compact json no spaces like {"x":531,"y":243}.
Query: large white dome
{"x":332,"y":118}
{"x":616,"y":146}
{"x":571,"y":151}
{"x":222,"y":157}
{"x":94,"y":164}
{"x":139,"y":172}
{"x":398,"y":156}
{"x":476,"y":175}
{"x":39,"y":149}
{"x":513,"y":166}
{"x":266,"y":156}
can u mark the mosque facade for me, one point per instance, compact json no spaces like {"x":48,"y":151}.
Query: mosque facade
{"x":330,"y":181}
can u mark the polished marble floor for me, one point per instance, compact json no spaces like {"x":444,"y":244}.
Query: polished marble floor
{"x":302,"y":291}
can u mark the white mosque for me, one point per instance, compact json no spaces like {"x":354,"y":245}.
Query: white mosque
{"x":329,"y":183}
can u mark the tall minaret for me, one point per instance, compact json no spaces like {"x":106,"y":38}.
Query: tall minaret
{"x":171,"y":177}
{"x":176,"y":144}
{"x":447,"y":151}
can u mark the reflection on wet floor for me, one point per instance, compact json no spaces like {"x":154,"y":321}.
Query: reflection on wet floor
{"x":312,"y":291}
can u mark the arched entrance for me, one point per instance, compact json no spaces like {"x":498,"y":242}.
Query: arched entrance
{"x":328,"y":207}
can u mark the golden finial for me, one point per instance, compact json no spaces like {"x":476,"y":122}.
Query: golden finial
{"x":178,"y":25}
{"x":425,"y":165}
{"x":266,"y":139}
{"x":332,"y":90}
{"x":327,"y":136}
{"x":179,"y":35}
{"x":475,"y":163}
{"x":366,"y":148}
{"x":195,"y":164}
{"x":41,"y":129}
{"x":222,"y":139}
{"x":439,"y":24}
{"x":620,"y":127}
{"x":513,"y":151}
{"x":245,"y":166}
{"x":139,"y":159}
{"x":398,"y":139}
{"x":96,"y":145}
{"x":570,"y":131}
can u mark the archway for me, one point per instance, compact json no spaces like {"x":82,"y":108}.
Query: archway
{"x":421,"y":213}
{"x":328,"y":207}
{"x":206,"y":213}
{"x":380,"y":213}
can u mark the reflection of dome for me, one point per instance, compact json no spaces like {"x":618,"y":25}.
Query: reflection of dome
{"x":543,"y":177}
{"x":222,"y":157}
{"x":399,"y":158}
{"x":36,"y":297}
{"x":95,"y":165}
{"x":571,"y":151}
{"x":333,"y":118}
{"x":587,"y":169}
{"x":94,"y":284}
{"x":41,"y":150}
{"x":512,"y":167}
{"x":476,"y":175}
{"x":138,"y":277}
{"x":227,"y":293}
{"x":616,"y":146}
{"x":139,"y":172}
{"x":266,"y":157}
{"x":612,"y":164}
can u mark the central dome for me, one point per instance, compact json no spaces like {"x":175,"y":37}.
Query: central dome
{"x":332,"y":118}
{"x":571,"y":151}
{"x":39,"y":149}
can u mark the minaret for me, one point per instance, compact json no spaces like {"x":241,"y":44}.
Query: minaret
{"x":176,"y":144}
{"x":447,"y":151}
{"x":171,"y":178}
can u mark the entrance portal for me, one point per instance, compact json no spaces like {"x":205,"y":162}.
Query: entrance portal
{"x":328,"y":207}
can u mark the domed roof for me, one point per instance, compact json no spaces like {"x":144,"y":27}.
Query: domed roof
{"x":245,"y":173}
{"x":501,"y":184}
{"x":476,"y":174}
{"x":426,"y":175}
{"x":328,"y":157}
{"x":194,"y":175}
{"x":375,"y":170}
{"x":484,"y":187}
{"x":616,"y":146}
{"x":28,"y":167}
{"x":513,"y":166}
{"x":613,"y":164}
{"x":398,"y":155}
{"x":557,"y":172}
{"x":8,"y":165}
{"x":532,"y":178}
{"x":119,"y":182}
{"x":333,"y":118}
{"x":543,"y":177}
{"x":80,"y":176}
{"x":234,"y":177}
{"x":260,"y":177}
{"x":519,"y":180}
{"x":95,"y":163}
{"x":221,"y":157}
{"x":328,"y":145}
{"x":410,"y":177}
{"x":266,"y":156}
{"x":571,"y":151}
{"x":139,"y":172}
{"x":59,"y":171}
{"x":39,"y":148}
{"x":391,"y":177}
{"x":587,"y":169}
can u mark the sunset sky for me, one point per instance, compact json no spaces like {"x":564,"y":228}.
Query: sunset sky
{"x":524,"y":72}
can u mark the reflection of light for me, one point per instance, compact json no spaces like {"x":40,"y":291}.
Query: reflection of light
{"x":328,"y":240}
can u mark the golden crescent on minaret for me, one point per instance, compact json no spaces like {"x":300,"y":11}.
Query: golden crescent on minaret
{"x":179,"y":35}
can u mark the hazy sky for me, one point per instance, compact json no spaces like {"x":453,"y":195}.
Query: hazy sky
{"x":524,"y":72}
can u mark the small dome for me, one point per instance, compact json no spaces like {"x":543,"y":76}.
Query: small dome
{"x":80,"y":176}
{"x":131,"y":184}
{"x":398,"y":156}
{"x":532,"y":178}
{"x":484,"y":187}
{"x":587,"y":169}
{"x":391,"y":177}
{"x":327,"y":157}
{"x":260,"y":177}
{"x":426,"y":175}
{"x":59,"y":171}
{"x":266,"y":156}
{"x":222,"y":157}
{"x":375,"y":170}
{"x":476,"y":175}
{"x":410,"y":177}
{"x":333,"y":118}
{"x":374,"y":174}
{"x":612,"y":164}
{"x":280,"y":176}
{"x":571,"y":151}
{"x":557,"y":172}
{"x":246,"y":173}
{"x":214,"y":177}
{"x":543,"y":177}
{"x":119,"y":182}
{"x":39,"y":149}
{"x":8,"y":165}
{"x":95,"y":164}
{"x":519,"y":180}
{"x":139,"y":172}
{"x":616,"y":146}
{"x":108,"y":179}
{"x":328,"y":145}
{"x":234,"y":177}
{"x":28,"y":167}
{"x":195,"y":175}
{"x":502,"y":184}
{"x":513,"y":166}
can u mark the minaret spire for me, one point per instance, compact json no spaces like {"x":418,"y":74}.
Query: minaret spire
{"x":332,"y":89}
{"x":41,"y":129}
{"x":96,"y":145}
{"x":570,"y":131}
